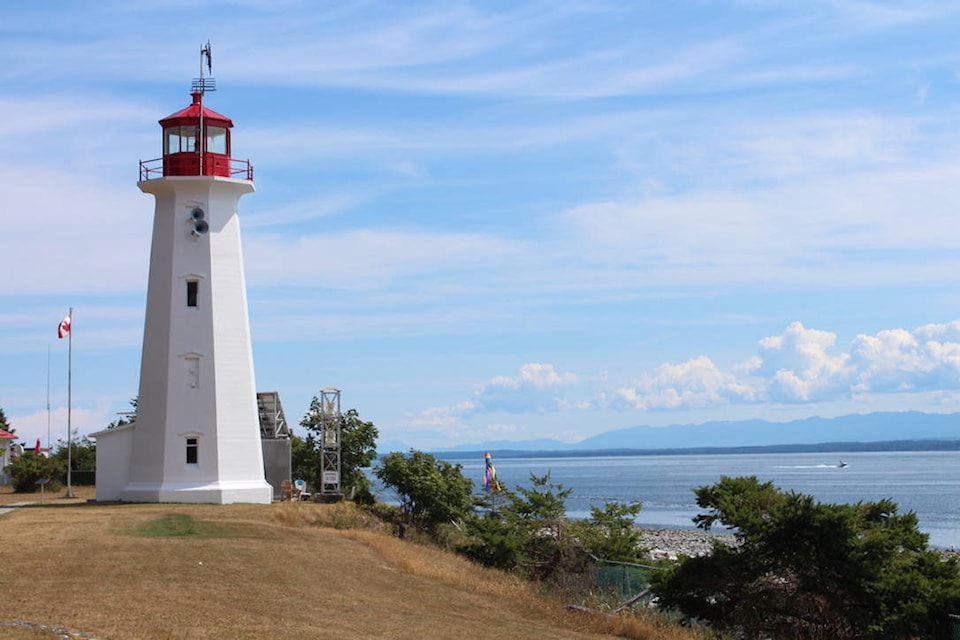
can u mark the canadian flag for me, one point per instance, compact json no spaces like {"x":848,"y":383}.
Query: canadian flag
{"x":64,"y":327}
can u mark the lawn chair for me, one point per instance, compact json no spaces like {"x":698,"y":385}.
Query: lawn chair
{"x":301,"y":488}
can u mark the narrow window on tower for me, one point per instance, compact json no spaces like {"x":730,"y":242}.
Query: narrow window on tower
{"x":192,"y":292}
{"x":193,"y":446}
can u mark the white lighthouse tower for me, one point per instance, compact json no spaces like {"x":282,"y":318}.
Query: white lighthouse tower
{"x":196,"y":437}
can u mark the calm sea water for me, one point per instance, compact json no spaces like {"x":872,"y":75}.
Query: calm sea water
{"x":927,"y":483}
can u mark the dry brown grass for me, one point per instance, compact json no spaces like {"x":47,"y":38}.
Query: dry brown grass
{"x":52,"y":498}
{"x":277,"y":571}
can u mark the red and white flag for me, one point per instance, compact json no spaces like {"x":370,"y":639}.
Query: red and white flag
{"x":64,"y":327}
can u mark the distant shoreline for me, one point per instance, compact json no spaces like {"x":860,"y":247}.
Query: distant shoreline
{"x":821,"y":447}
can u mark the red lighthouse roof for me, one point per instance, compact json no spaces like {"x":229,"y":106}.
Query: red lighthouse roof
{"x":194,"y":112}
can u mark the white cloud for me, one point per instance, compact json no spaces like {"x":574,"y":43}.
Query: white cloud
{"x":539,"y":387}
{"x":441,"y":426}
{"x":83,"y":420}
{"x":899,"y":360}
{"x":696,"y":383}
{"x":798,"y":366}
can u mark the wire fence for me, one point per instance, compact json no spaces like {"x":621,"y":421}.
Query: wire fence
{"x":621,"y":578}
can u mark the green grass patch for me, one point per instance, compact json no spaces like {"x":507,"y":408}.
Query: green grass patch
{"x":179,"y":525}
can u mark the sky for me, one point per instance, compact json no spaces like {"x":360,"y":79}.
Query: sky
{"x":503,"y":220}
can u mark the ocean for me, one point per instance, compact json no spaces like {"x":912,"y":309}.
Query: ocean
{"x":925,"y":482}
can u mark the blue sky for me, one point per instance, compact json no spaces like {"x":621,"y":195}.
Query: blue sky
{"x":505,"y":220}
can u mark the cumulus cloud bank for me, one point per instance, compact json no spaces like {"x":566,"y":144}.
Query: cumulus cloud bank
{"x":801,"y":365}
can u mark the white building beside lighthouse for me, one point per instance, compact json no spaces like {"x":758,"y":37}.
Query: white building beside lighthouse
{"x":196,"y":437}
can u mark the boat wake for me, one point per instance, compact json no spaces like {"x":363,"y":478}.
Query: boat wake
{"x":839,"y":465}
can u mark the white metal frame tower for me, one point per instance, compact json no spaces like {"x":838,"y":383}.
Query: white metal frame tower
{"x":330,"y":420}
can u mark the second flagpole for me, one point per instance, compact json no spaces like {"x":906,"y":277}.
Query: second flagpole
{"x":69,"y":407}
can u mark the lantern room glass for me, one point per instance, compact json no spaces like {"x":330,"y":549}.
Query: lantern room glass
{"x":216,"y":140}
{"x":184,"y":139}
{"x":179,"y":139}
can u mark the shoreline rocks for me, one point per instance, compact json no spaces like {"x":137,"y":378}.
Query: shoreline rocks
{"x":669,"y":544}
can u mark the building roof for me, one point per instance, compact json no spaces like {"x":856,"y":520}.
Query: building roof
{"x":117,"y":429}
{"x":6,"y":435}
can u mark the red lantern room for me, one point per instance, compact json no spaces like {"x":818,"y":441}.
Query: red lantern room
{"x":196,"y":140}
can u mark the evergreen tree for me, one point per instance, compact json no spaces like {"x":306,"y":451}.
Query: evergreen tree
{"x":808,"y":570}
{"x":611,"y":532}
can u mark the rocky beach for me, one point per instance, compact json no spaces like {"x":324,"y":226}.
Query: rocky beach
{"x":669,"y":544}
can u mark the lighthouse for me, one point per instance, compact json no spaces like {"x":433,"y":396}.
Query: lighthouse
{"x":196,"y":437}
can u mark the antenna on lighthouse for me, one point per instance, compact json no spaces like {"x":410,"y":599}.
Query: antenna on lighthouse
{"x":204,"y":84}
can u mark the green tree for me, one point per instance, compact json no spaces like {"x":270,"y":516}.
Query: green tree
{"x":82,"y":453}
{"x":82,"y":460}
{"x":358,"y":450}
{"x":305,"y":459}
{"x":431,"y":491}
{"x":809,"y":570}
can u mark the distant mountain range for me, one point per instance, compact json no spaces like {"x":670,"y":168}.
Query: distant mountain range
{"x":856,"y":428}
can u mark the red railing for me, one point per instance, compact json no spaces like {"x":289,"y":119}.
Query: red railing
{"x":173,"y":165}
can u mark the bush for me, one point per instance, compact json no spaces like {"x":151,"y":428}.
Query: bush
{"x":30,"y":467}
{"x":611,"y":532}
{"x":431,"y":491}
{"x":493,"y":542}
{"x":530,"y":533}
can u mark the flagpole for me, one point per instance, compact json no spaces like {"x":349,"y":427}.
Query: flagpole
{"x":48,"y":397}
{"x":69,"y":403}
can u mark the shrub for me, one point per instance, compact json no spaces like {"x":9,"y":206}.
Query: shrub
{"x":611,"y":532}
{"x":431,"y":491}
{"x":27,"y":469}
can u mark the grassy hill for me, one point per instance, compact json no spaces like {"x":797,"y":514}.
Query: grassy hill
{"x":286,"y":570}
